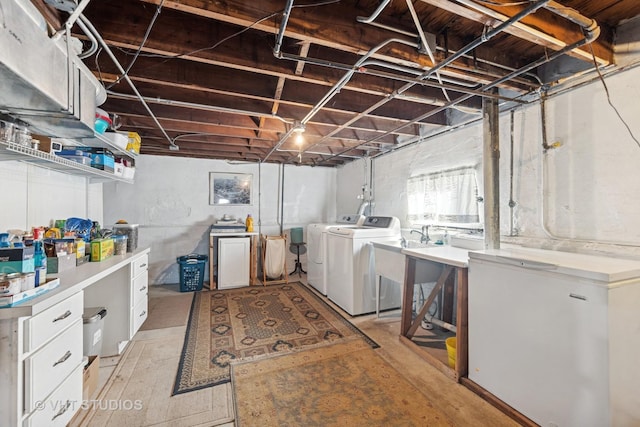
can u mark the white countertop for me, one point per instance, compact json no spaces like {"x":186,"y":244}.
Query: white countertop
{"x":445,"y":254}
{"x":594,"y":267}
{"x":71,"y":282}
{"x":232,"y":233}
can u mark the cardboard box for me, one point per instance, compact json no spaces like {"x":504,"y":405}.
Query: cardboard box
{"x":47,"y":144}
{"x":61,"y":263}
{"x":11,"y":300}
{"x":101,"y":249}
{"x":90,"y":377}
{"x":103,"y":162}
{"x":81,"y":248}
{"x":17,"y":260}
{"x":17,"y":254}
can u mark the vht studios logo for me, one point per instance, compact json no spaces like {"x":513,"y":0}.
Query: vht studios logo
{"x":105,"y":405}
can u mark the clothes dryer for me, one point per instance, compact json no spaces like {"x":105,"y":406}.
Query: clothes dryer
{"x":316,"y":249}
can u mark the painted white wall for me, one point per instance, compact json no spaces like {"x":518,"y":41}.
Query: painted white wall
{"x":592,"y":183}
{"x":34,"y":196}
{"x":170,"y":202}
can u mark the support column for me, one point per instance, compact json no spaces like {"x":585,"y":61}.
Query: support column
{"x":491,"y":170}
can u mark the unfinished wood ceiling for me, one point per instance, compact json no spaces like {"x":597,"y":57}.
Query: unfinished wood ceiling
{"x":237,"y":79}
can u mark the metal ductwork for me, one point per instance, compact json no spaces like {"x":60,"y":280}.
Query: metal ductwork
{"x":42,"y":81}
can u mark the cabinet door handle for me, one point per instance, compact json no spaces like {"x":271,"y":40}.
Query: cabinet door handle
{"x":143,"y":288}
{"x":62,"y":316}
{"x":143,"y":265}
{"x":143,"y":313}
{"x":63,"y":358}
{"x":62,"y":410}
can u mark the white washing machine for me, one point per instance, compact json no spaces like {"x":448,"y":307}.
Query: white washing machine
{"x":317,"y":249}
{"x":350,"y":270}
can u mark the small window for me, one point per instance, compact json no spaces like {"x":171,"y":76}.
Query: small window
{"x":445,"y":197}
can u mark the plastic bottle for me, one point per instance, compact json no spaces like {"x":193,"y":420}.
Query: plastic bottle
{"x":249,"y":223}
{"x":40,"y":262}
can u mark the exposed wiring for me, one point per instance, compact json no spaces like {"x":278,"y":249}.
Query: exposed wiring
{"x":237,"y":33}
{"x":495,"y":3}
{"x":606,"y":89}
{"x":144,"y":40}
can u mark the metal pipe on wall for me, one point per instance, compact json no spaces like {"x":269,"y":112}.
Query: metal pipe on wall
{"x":490,"y":171}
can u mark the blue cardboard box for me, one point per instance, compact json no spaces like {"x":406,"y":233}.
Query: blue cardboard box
{"x":17,"y":260}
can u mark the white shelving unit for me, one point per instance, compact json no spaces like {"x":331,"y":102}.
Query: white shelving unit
{"x":13,"y":151}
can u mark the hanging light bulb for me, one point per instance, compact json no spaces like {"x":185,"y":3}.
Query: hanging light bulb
{"x":299,"y":130}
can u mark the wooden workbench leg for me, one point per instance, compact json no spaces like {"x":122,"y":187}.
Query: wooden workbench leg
{"x":462,"y":335}
{"x":407,"y":295}
{"x":448,"y":301}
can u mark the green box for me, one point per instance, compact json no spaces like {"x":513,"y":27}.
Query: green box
{"x":60,"y":263}
{"x":101,"y":249}
{"x":24,"y":266}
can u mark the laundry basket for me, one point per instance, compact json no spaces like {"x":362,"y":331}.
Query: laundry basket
{"x":192,"y":272}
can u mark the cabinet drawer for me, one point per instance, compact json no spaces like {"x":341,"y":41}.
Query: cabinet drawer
{"x":139,"y":265}
{"x":138,"y":316}
{"x":50,"y":365}
{"x":139,"y":289}
{"x":60,"y":407}
{"x":41,"y":327}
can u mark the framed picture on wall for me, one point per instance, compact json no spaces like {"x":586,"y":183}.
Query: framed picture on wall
{"x":230,"y":188}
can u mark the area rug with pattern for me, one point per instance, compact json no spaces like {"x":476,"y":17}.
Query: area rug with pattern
{"x":254,"y":322}
{"x":346,"y":384}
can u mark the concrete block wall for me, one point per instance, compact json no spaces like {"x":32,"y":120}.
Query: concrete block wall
{"x":590,"y":200}
{"x":170,"y":202}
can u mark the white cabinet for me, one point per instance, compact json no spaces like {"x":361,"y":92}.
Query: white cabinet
{"x":53,"y":366}
{"x":233,"y":262}
{"x":41,"y":338}
{"x":139,"y":293}
{"x":62,"y":404}
{"x":552,"y":335}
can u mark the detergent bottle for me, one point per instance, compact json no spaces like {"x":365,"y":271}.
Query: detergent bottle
{"x":249,"y":223}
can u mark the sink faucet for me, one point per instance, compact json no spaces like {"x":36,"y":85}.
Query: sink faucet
{"x":403,"y":242}
{"x":424,"y":234}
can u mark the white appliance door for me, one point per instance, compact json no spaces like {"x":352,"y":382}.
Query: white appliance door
{"x":340,"y":260}
{"x":233,"y":262}
{"x":315,"y":247}
{"x":538,"y":341}
{"x":316,"y":257}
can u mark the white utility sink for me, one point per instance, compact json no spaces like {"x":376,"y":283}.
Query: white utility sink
{"x":390,"y":261}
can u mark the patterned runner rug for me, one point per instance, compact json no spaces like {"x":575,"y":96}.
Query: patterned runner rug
{"x":346,"y":384}
{"x":253,"y":322}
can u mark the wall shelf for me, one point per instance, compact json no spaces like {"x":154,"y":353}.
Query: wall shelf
{"x":100,"y":140}
{"x":13,"y":151}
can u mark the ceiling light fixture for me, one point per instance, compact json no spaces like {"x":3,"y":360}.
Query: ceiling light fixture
{"x":299,"y":129}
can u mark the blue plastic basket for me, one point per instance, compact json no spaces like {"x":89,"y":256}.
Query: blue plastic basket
{"x":192,"y":272}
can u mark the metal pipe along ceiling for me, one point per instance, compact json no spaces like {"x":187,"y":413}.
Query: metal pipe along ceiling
{"x":590,"y":37}
{"x":484,"y":38}
{"x":106,"y":48}
{"x":591,"y":28}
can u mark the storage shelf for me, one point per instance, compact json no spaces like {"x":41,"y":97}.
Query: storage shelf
{"x":102,"y":141}
{"x":13,"y":151}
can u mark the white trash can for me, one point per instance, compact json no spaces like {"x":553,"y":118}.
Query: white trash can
{"x":93,"y":326}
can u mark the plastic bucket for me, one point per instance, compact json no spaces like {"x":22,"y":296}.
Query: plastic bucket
{"x":296,"y":235}
{"x":451,"y":351}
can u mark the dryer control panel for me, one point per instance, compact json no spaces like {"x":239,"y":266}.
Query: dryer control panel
{"x":378,"y":221}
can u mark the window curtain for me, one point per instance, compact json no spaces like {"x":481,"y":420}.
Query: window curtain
{"x":444,"y":197}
